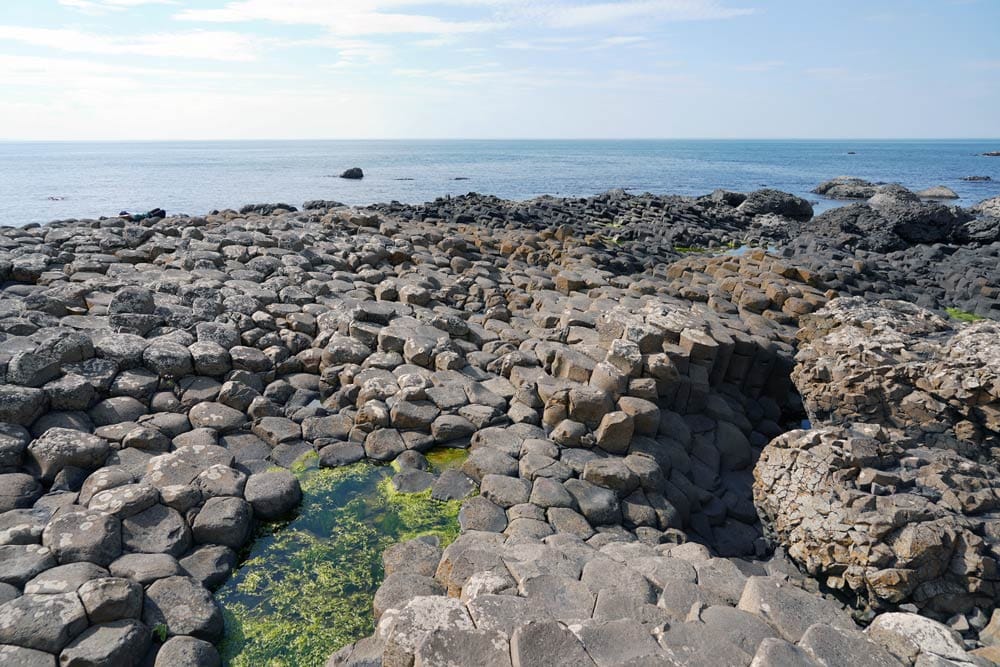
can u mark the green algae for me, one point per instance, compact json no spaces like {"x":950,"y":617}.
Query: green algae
{"x":963,"y":315}
{"x":444,"y":458}
{"x":306,"y":585}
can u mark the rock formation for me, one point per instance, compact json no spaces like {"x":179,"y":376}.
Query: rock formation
{"x":616,"y":367}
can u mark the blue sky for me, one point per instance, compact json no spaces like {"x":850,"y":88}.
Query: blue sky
{"x":238,"y":69}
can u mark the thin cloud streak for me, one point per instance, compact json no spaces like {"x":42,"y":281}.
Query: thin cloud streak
{"x":195,"y":44}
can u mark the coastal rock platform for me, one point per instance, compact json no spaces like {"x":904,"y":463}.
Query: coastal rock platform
{"x":625,"y":371}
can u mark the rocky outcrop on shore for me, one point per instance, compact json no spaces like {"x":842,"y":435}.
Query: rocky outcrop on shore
{"x":894,"y":498}
{"x":161,"y":378}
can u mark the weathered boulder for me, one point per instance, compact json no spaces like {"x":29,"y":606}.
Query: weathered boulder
{"x":861,"y":512}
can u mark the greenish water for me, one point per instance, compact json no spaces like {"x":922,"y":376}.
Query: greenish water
{"x":305,"y":588}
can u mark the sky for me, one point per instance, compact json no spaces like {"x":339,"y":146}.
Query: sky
{"x":341,"y":69}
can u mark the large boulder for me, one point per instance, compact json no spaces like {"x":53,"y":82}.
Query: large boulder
{"x":868,"y":511}
{"x":889,"y":223}
{"x":775,"y":202}
{"x":846,"y":187}
{"x":902,"y":366}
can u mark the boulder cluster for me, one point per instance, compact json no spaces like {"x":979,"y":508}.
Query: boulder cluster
{"x":161,"y":379}
{"x":895,"y":498}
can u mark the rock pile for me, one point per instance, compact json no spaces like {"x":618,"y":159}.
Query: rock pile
{"x":895,"y":498}
{"x":159,"y":379}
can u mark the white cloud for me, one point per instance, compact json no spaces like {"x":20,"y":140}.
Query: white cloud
{"x":98,"y":6}
{"x":761,"y":66}
{"x":575,"y":42}
{"x":842,"y":74}
{"x":195,"y":44}
{"x":61,"y":74}
{"x":361,"y":17}
{"x":579,"y":16}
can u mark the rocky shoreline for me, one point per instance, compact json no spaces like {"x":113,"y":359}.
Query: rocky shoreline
{"x":630,"y":375}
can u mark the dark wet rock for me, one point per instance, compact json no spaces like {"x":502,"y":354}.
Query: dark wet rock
{"x":341,"y":454}
{"x":846,"y":187}
{"x":412,"y":481}
{"x":273,"y":494}
{"x":116,"y":643}
{"x":224,"y":521}
{"x":18,"y":490}
{"x":157,"y":530}
{"x":354,"y":173}
{"x":599,"y":505}
{"x":25,"y":657}
{"x":210,"y":564}
{"x":110,"y":599}
{"x":64,"y":578}
{"x":398,"y":589}
{"x":452,"y":485}
{"x":547,"y":643}
{"x":478,"y":513}
{"x":384,"y":444}
{"x":183,"y":650}
{"x":184,"y":606}
{"x":21,"y":405}
{"x":145,"y":568}
{"x":88,"y":535}
{"x":761,"y":202}
{"x":23,"y":562}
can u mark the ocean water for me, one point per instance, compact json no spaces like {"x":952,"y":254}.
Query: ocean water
{"x":40,"y":182}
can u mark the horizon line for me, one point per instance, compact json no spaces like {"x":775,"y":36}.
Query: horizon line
{"x":484,"y":139}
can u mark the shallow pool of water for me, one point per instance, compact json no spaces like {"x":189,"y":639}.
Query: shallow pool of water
{"x":306,"y":585}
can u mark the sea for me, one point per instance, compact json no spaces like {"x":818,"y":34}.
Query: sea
{"x":40,"y":182}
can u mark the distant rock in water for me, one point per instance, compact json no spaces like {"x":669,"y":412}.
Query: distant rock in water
{"x":461,"y":178}
{"x":846,"y":187}
{"x":938,"y":192}
{"x":779,"y":203}
{"x":318,"y":204}
{"x":354,"y":174}
{"x":977,"y":179}
{"x":992,"y":154}
{"x":852,"y":152}
{"x":267,"y":209}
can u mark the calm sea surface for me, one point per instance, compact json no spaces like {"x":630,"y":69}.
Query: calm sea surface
{"x":47,"y":181}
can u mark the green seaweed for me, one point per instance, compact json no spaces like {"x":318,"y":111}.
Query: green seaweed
{"x":306,"y":584}
{"x":963,"y":315}
{"x":444,"y":458}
